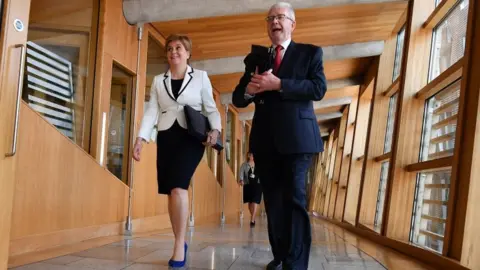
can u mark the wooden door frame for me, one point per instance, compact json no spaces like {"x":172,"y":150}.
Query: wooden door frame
{"x":10,"y":67}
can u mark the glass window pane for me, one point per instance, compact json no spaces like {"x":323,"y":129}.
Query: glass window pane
{"x":59,"y":65}
{"x":440,"y":123}
{"x":119,"y":123}
{"x":392,"y":109}
{"x":398,"y":53}
{"x":382,"y":189}
{"x":430,"y":211}
{"x":448,"y":44}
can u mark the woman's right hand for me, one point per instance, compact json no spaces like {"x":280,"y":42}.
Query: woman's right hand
{"x":137,"y":149}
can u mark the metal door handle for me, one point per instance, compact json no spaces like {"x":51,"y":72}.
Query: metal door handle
{"x":19,"y":94}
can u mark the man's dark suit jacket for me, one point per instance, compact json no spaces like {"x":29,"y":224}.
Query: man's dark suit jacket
{"x":285,"y":120}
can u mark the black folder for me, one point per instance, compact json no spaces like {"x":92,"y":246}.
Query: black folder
{"x":198,"y":126}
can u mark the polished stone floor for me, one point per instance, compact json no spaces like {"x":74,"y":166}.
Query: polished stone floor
{"x":232,"y":246}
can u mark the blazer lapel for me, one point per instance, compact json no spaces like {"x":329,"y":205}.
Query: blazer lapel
{"x":186,"y":79}
{"x":167,"y":82}
{"x":286,"y":58}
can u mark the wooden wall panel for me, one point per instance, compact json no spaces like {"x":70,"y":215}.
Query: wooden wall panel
{"x":59,"y":186}
{"x":207,"y":195}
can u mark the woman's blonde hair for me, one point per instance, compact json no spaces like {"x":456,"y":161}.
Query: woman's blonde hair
{"x":186,"y":42}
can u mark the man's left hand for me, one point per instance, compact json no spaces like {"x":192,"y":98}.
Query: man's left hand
{"x":265,"y":82}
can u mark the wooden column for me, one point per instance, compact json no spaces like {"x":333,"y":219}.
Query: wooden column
{"x":408,"y":125}
{"x":330,"y":170}
{"x":347,"y":152}
{"x":358,"y":148}
{"x":466,"y":233}
{"x":338,"y":163}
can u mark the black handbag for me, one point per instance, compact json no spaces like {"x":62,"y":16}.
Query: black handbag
{"x":198,"y":126}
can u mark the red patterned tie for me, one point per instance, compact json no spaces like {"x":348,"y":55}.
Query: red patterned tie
{"x":278,"y":58}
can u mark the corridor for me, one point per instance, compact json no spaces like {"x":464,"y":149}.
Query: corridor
{"x":232,"y":247}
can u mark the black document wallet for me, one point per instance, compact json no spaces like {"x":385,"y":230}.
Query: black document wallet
{"x":198,"y":126}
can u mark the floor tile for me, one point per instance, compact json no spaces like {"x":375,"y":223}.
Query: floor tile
{"x":114,"y":253}
{"x":101,"y":264}
{"x":64,"y":260}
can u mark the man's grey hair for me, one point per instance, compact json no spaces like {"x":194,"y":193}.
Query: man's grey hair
{"x":286,"y":5}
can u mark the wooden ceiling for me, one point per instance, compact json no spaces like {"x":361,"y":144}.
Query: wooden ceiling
{"x":347,"y":68}
{"x":228,"y":36}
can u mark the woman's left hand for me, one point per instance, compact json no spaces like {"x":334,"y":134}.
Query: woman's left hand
{"x":212,"y":137}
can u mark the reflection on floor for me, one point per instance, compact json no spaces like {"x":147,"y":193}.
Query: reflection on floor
{"x":232,"y":247}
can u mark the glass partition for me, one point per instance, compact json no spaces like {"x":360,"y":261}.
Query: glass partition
{"x":60,"y":64}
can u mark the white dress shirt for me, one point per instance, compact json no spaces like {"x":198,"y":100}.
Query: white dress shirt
{"x":285,"y":45}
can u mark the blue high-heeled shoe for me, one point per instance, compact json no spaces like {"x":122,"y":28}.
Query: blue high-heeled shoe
{"x":179,"y":264}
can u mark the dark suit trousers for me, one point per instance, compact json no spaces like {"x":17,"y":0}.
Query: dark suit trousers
{"x":283,"y":179}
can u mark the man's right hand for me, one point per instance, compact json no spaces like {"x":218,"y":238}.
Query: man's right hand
{"x":137,"y":149}
{"x":240,"y":183}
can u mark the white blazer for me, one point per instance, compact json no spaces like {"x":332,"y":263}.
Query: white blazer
{"x":163,"y":109}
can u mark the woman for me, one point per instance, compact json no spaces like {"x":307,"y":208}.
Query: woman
{"x":252,"y":191}
{"x":178,"y":153}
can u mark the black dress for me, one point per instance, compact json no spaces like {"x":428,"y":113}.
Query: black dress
{"x":252,"y":192}
{"x":178,"y":154}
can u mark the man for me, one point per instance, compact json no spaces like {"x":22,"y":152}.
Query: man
{"x":285,"y":135}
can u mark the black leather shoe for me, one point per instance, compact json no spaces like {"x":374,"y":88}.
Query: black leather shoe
{"x":274,"y":265}
{"x":252,"y":224}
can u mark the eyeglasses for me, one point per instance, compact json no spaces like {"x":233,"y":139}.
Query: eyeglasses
{"x":279,"y":17}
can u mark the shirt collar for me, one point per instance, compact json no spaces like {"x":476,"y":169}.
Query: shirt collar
{"x":284,"y":44}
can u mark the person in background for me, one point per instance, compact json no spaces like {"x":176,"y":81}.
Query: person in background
{"x":178,"y":153}
{"x":252,"y":190}
{"x":285,"y":135}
